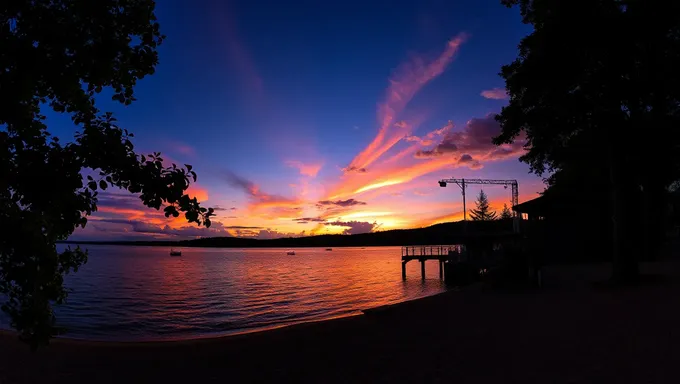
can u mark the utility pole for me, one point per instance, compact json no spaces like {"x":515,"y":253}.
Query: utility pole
{"x":462,"y":183}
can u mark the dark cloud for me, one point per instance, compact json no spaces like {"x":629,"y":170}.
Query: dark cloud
{"x":233,"y":208}
{"x":305,"y":220}
{"x":465,"y":158}
{"x":354,"y":169}
{"x":216,"y":229}
{"x":355,"y":227}
{"x":242,"y":183}
{"x":476,"y":139}
{"x":272,"y":234}
{"x":427,"y":154}
{"x":252,"y":189}
{"x":340,"y":203}
{"x":469,"y":161}
{"x":218,"y":208}
{"x":119,"y":200}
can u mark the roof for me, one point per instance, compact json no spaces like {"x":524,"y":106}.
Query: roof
{"x":536,"y":206}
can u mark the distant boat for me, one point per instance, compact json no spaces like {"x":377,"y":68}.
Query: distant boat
{"x":329,"y":249}
{"x":175,"y":252}
{"x":290,"y":253}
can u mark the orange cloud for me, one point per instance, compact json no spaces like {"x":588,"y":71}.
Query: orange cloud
{"x":201,"y":194}
{"x":130,"y":212}
{"x":310,"y":170}
{"x":407,"y":81}
{"x":426,"y":140}
{"x":386,"y":177}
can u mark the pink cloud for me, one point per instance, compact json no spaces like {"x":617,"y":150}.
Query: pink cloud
{"x":275,"y":204}
{"x":310,"y":170}
{"x":495,"y":94}
{"x":470,"y":148}
{"x":474,"y":144}
{"x":408,"y":79}
{"x":238,"y":56}
{"x":185,"y":150}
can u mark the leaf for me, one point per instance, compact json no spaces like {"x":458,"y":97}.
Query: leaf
{"x":207,"y":223}
{"x":92,"y":185}
{"x":102,"y":184}
{"x":189,"y":167}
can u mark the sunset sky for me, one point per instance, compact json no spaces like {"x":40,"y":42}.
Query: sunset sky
{"x":312,"y":117}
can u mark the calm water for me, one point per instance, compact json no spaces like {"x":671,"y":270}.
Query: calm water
{"x":141,"y":293}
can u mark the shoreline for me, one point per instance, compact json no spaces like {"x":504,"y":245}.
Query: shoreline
{"x":563,"y":334}
{"x":7,"y":333}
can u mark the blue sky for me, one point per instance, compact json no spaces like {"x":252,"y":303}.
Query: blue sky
{"x":286,"y":94}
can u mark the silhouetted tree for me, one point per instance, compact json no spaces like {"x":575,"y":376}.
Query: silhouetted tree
{"x":596,"y":92}
{"x":482,"y":212}
{"x":60,"y":54}
{"x":506,"y":213}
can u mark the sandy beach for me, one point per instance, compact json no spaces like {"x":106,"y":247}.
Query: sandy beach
{"x":571,"y":333}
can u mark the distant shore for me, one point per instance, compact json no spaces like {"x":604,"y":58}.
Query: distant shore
{"x":571,"y":333}
{"x":445,"y":233}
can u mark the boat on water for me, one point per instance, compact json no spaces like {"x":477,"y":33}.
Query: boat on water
{"x":174,"y":252}
{"x":329,"y":249}
{"x":290,"y":253}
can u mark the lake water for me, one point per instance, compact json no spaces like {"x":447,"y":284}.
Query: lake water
{"x":142,"y":293}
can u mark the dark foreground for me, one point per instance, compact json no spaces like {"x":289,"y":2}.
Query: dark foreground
{"x":573,"y":334}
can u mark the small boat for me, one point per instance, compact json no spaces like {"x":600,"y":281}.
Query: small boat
{"x":329,"y":249}
{"x":290,"y":253}
{"x":175,"y":252}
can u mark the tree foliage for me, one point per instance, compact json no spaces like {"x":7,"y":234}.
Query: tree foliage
{"x":60,"y":54}
{"x":595,"y":90}
{"x":506,"y":213}
{"x":482,"y":212}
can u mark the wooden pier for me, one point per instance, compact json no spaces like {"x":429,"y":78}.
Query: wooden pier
{"x":422,"y":253}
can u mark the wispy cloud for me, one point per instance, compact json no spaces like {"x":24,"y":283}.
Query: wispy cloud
{"x":471,"y":148}
{"x":310,"y":170}
{"x":340,"y":203}
{"x":305,"y":220}
{"x":237,"y":54}
{"x":278,"y":205}
{"x":407,"y":80}
{"x":495,"y":94}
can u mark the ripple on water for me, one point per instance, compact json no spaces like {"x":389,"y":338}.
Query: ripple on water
{"x":140,"y":293}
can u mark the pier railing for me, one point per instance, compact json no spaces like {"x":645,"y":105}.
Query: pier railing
{"x":429,"y":250}
{"x":441,"y":253}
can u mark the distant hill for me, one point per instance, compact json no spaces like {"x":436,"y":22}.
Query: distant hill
{"x":445,"y":233}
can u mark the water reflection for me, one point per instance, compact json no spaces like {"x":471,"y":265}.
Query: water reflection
{"x":143,"y":293}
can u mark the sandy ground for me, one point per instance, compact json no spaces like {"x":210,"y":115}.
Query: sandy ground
{"x":567,"y":333}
